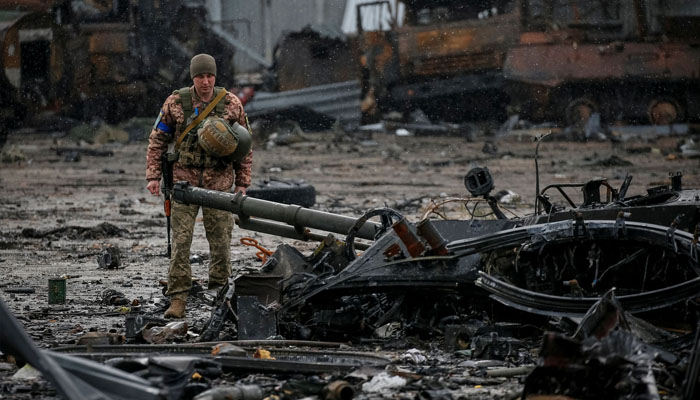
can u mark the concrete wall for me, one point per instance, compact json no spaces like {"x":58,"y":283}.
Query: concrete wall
{"x":259,"y":24}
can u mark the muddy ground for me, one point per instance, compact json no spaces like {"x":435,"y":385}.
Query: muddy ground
{"x":59,"y":212}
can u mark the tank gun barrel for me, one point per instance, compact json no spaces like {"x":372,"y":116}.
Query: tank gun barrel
{"x":253,"y":212}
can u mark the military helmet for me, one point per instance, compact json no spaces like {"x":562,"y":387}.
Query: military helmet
{"x":245,"y":142}
{"x":219,"y":139}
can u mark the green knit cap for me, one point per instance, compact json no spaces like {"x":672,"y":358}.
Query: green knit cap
{"x":202,"y":64}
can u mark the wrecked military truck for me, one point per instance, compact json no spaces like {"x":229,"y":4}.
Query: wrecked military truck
{"x":421,"y":278}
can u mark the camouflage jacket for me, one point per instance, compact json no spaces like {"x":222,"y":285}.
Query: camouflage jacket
{"x":166,"y":131}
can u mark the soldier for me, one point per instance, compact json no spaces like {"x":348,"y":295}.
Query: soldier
{"x":196,"y":162}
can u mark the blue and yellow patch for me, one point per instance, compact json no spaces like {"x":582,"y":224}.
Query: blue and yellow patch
{"x":159,"y":124}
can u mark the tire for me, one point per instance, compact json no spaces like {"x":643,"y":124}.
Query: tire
{"x":664,"y":110}
{"x":579,"y":110}
{"x":284,"y":191}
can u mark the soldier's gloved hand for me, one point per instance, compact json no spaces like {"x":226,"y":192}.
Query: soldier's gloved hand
{"x":154,"y":187}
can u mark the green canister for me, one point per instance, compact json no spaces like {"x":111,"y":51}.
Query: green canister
{"x":57,"y":291}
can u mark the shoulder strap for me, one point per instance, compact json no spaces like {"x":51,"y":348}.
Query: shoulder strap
{"x":221,"y":107}
{"x":201,"y":117}
{"x":186,"y":101}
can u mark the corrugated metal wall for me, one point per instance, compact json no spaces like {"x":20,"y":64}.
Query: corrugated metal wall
{"x":245,"y":18}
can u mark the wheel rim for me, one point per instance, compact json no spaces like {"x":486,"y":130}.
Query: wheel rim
{"x":579,"y":111}
{"x":663,"y":112}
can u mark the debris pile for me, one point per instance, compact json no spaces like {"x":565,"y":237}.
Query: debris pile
{"x":582,"y":298}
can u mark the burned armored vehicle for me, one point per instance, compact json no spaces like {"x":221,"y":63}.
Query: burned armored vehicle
{"x":435,"y":278}
{"x":633,"y":61}
{"x":419,"y":278}
{"x":93,"y":59}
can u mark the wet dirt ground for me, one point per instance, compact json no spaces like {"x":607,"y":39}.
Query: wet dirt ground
{"x":58,"y":213}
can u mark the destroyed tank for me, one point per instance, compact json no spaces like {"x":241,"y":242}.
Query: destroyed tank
{"x":629,"y":61}
{"x":557,"y":262}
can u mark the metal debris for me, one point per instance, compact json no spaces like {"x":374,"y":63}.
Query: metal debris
{"x":109,"y":259}
{"x":248,"y":392}
{"x":334,"y":101}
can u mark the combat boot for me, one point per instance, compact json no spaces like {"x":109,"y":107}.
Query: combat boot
{"x":176,"y":309}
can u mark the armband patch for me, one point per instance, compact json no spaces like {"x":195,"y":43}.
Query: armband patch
{"x":160,"y":116}
{"x":159,"y":124}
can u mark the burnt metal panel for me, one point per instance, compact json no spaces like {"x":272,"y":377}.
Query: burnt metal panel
{"x":109,"y":42}
{"x":571,"y":62}
{"x":316,"y":55}
{"x":254,"y":320}
{"x":445,"y":87}
{"x":263,"y":286}
{"x":458,"y":47}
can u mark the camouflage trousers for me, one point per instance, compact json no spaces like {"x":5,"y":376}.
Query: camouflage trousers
{"x":218,"y":226}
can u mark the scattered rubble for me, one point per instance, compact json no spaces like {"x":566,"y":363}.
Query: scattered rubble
{"x":101,"y":231}
{"x":12,"y":155}
{"x":690,"y":149}
{"x":109,"y":259}
{"x":395,"y":297}
{"x":418,"y":317}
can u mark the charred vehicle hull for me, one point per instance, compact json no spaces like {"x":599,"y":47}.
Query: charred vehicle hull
{"x":436,"y":272}
{"x":634,"y":61}
{"x":115,"y":55}
{"x":624,"y":80}
{"x":442,"y":54}
{"x":100,"y":60}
